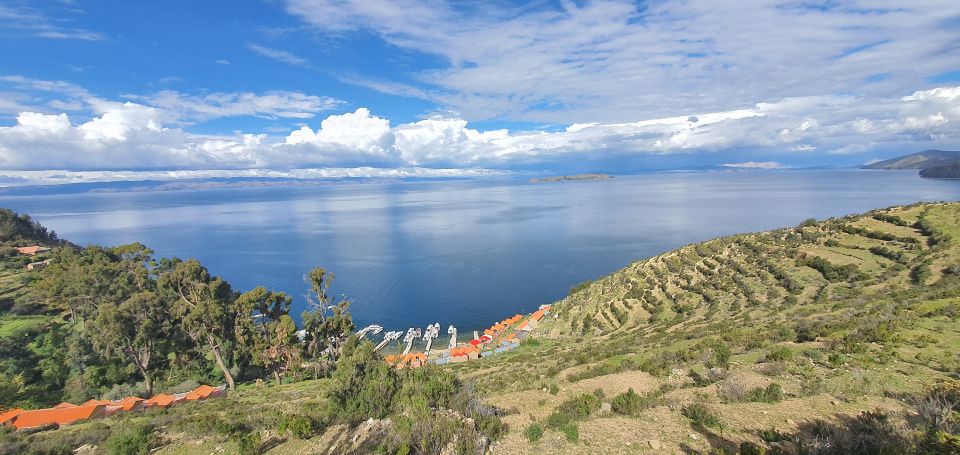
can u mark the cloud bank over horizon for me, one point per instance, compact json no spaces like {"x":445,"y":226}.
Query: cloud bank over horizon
{"x":127,"y":135}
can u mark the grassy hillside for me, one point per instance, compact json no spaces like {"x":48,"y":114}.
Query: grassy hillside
{"x":920,"y":160}
{"x":838,"y":336}
{"x":846,"y":315}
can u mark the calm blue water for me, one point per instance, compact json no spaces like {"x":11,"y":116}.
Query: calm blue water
{"x":462,"y":252}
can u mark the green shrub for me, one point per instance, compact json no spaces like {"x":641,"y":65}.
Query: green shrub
{"x":490,"y":425}
{"x":579,"y":287}
{"x":534,"y":432}
{"x":749,"y":448}
{"x":571,"y":432}
{"x":554,"y":389}
{"x":579,"y":407}
{"x":631,"y":404}
{"x":248,"y":444}
{"x":133,"y":439}
{"x":772,"y":435}
{"x":779,"y":354}
{"x":363,"y":387}
{"x":700,"y":414}
{"x":300,"y":427}
{"x":920,"y":274}
{"x":773,"y":393}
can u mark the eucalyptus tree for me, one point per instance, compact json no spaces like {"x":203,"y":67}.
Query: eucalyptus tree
{"x":326,"y":325}
{"x":202,"y":306}
{"x":265,"y":330}
{"x":81,"y":280}
{"x":139,"y":329}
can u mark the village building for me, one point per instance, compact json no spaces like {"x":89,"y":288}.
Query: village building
{"x":32,"y":250}
{"x":38,"y":265}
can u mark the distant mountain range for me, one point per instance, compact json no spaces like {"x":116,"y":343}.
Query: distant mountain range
{"x":936,"y":164}
{"x":922,"y":160}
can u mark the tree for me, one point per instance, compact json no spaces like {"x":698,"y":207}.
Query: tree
{"x":138,"y":329}
{"x":203,"y":307}
{"x":81,"y":280}
{"x":265,"y":330}
{"x":327,"y":326}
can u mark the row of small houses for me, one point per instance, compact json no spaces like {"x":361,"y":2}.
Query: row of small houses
{"x":480,"y":347}
{"x":68,"y":413}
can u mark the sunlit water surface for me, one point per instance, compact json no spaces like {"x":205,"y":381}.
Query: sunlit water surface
{"x":463,"y":252}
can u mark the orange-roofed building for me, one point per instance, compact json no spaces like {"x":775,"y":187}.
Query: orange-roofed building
{"x":200,"y":393}
{"x":64,"y":404}
{"x":63,"y":416}
{"x":8,"y":416}
{"x":131,"y":404}
{"x":163,"y":400}
{"x":537,"y":315}
{"x":32,"y":250}
{"x":96,"y":402}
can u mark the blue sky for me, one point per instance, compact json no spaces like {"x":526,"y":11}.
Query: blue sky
{"x":116,"y":90}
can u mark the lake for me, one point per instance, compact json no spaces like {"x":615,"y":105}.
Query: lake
{"x":464,"y":252}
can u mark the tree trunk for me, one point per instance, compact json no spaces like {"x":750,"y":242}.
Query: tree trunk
{"x":142,"y":363}
{"x":223,"y":367}
{"x":276,"y":375}
{"x":149,"y":381}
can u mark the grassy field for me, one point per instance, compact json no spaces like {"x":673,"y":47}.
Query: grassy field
{"x":10,"y":325}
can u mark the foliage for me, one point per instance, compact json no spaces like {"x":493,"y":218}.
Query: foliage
{"x":202,"y":307}
{"x":266,"y":332}
{"x":581,"y":286}
{"x":534,"y":432}
{"x":701,"y":414}
{"x":326,"y":325}
{"x":773,"y":393}
{"x":632,"y":404}
{"x":132,"y":439}
{"x":829,"y":271}
{"x":299,"y":426}
{"x":20,"y":229}
{"x":248,"y":443}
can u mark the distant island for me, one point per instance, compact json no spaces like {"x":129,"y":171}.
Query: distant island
{"x":937,"y":164}
{"x":562,"y":178}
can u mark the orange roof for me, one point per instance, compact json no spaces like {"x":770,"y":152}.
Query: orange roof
{"x":200,"y":393}
{"x":64,"y":404}
{"x":537,"y":315}
{"x":130,"y":403}
{"x":34,"y":249}
{"x":163,"y":400}
{"x":62,"y":416}
{"x":9,"y":415}
{"x":463,"y":350}
{"x":96,"y":402}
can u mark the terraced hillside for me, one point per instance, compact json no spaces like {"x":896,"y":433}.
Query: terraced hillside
{"x":835,"y":317}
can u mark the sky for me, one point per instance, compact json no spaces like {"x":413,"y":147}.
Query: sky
{"x":94,"y":90}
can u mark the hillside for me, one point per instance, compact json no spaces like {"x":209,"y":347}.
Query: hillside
{"x":944,"y":171}
{"x":831,"y":337}
{"x":921,"y":160}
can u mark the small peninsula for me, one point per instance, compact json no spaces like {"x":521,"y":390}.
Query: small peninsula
{"x":577,"y":177}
